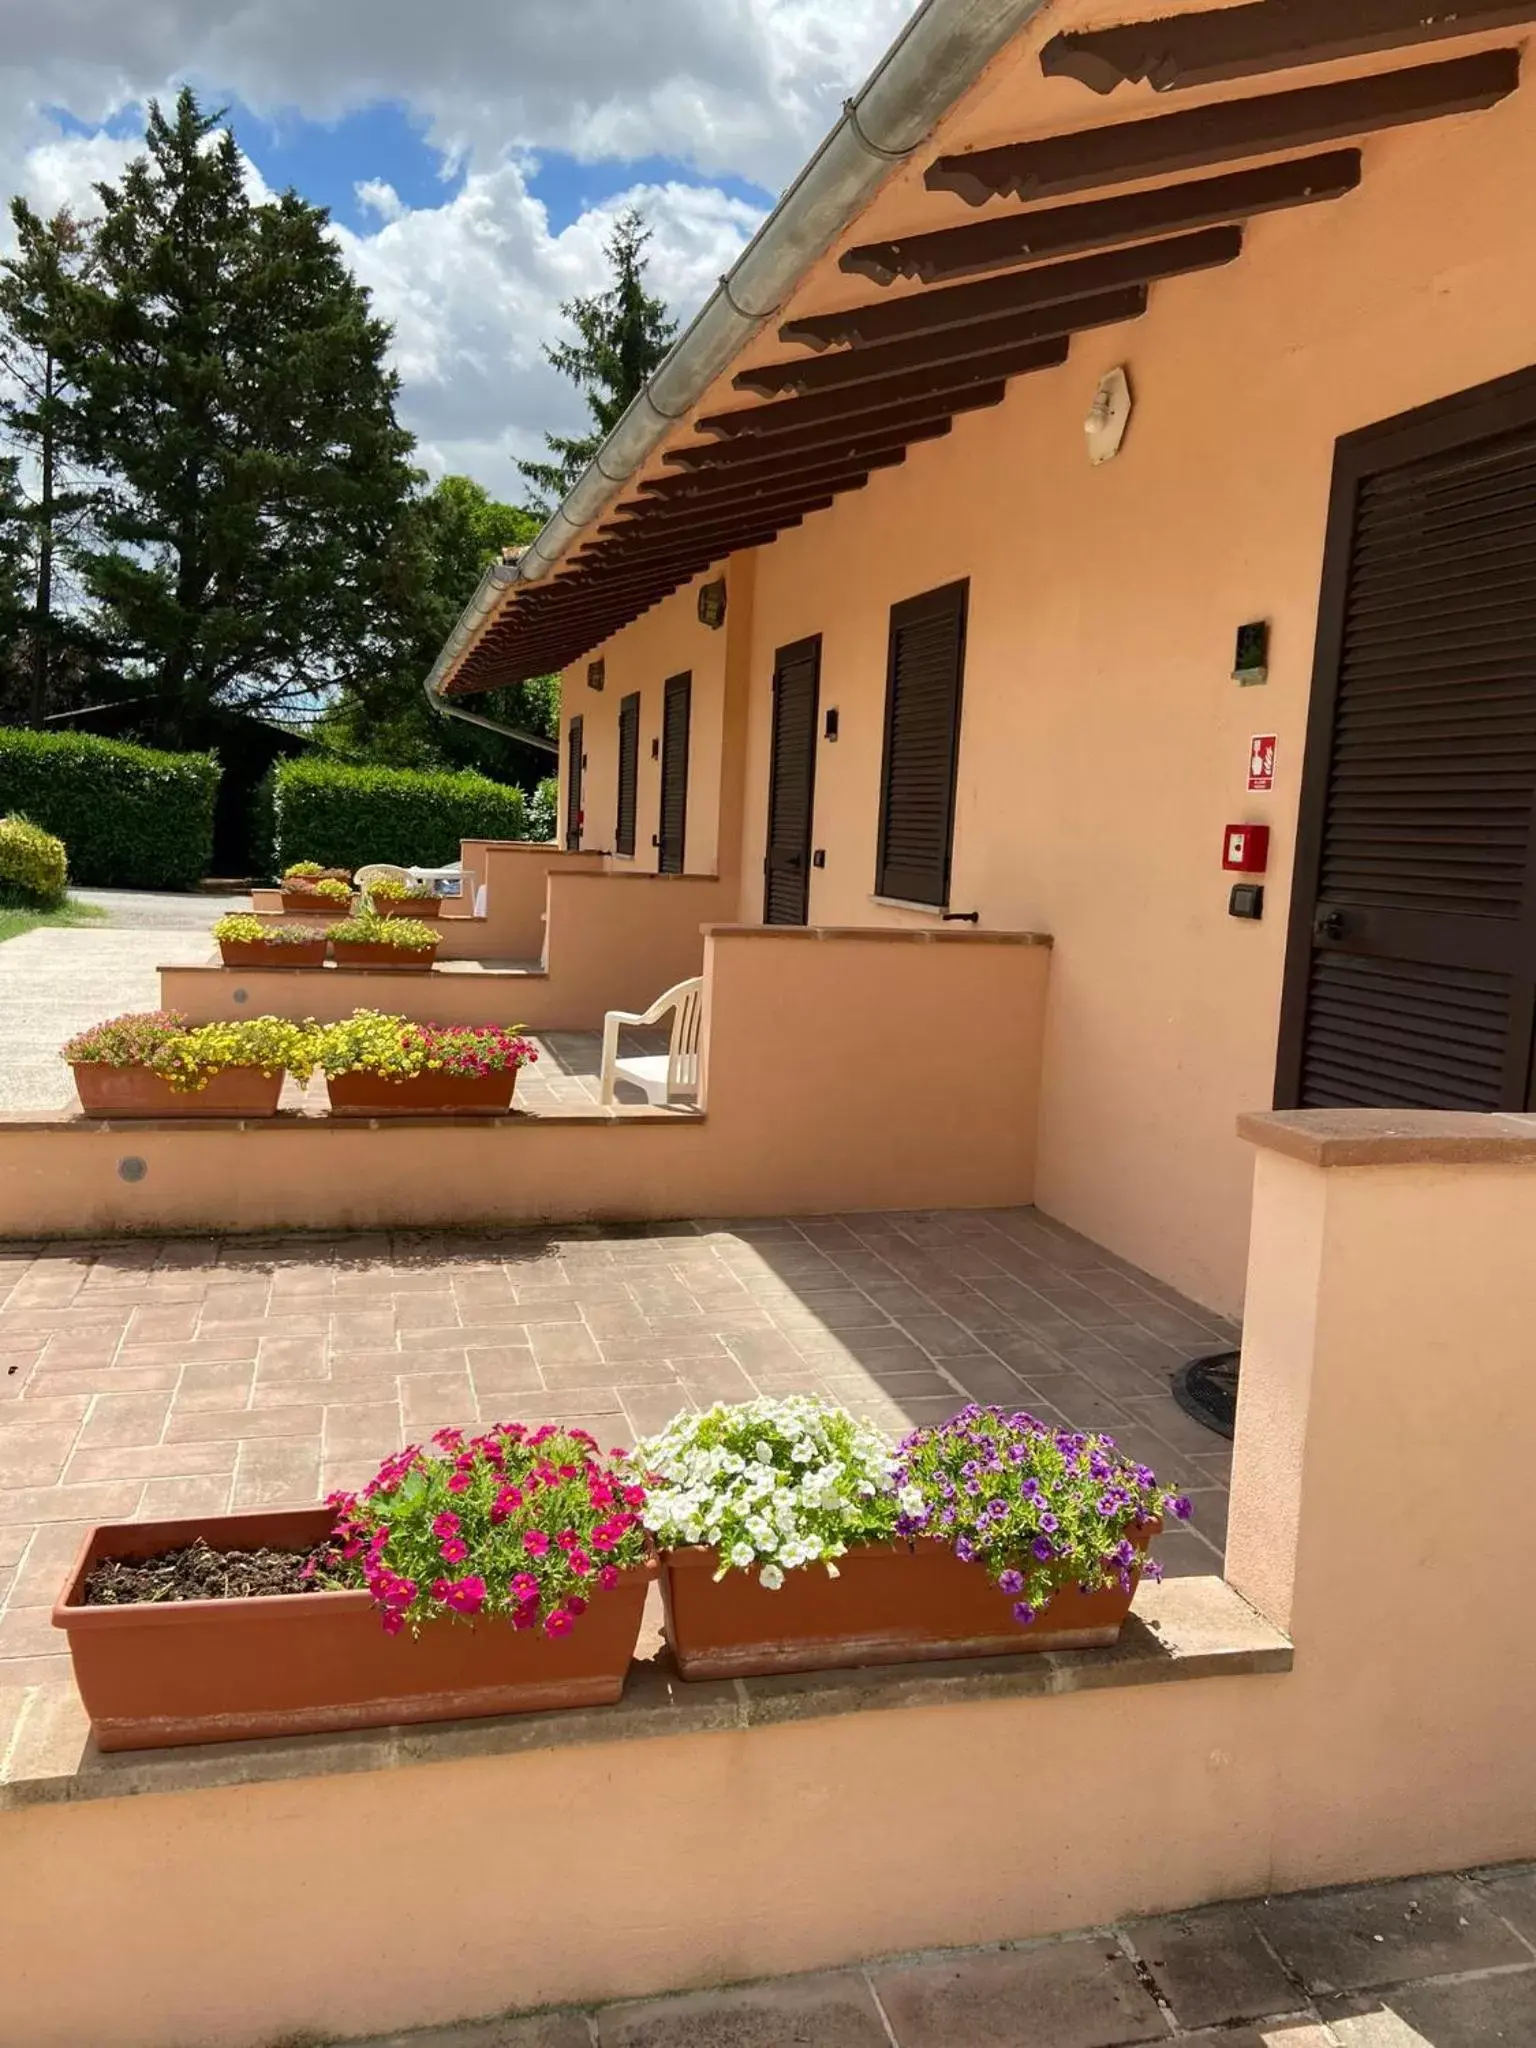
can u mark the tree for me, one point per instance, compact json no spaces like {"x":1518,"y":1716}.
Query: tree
{"x":233,"y":392}
{"x":41,"y":528}
{"x":455,"y":532}
{"x":624,"y":333}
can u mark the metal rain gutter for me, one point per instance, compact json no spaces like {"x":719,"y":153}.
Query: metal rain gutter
{"x":938,"y":56}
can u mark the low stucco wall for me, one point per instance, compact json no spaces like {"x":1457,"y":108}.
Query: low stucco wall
{"x":614,"y":942}
{"x":812,"y":1104}
{"x":1378,"y":1505}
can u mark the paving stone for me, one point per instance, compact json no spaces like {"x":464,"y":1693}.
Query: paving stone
{"x":1512,"y":1894}
{"x":1211,"y":1966}
{"x":1298,"y":2032}
{"x":117,"y":1419}
{"x":1066,"y":1994}
{"x":277,"y":1475}
{"x":1497,"y":2010}
{"x":540,"y":2030}
{"x":834,"y":2011}
{"x":1386,"y":1934}
{"x":168,"y":1500}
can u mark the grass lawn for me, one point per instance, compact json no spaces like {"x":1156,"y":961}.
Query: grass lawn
{"x":14,"y":920}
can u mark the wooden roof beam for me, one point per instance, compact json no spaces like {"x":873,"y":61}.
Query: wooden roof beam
{"x":1274,"y":35}
{"x":1227,"y":131}
{"x":1049,"y":284}
{"x":983,"y":341}
{"x":773,"y":473}
{"x":1005,"y":242}
{"x":802,"y":437}
{"x":885,"y":404}
{"x":709,"y":541}
{"x":819,"y":445}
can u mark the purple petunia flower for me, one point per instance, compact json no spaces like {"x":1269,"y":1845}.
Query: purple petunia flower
{"x":1048,"y":1522}
{"x":965,"y":1550}
{"x":1010,"y":1582}
{"x":1181,"y":1506}
{"x":1043,"y":1548}
{"x":1023,"y":1613}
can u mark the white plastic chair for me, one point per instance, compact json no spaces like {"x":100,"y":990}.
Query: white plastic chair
{"x":663,"y":1076}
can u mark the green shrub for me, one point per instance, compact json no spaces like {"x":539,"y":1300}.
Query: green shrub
{"x":543,"y":810}
{"x":349,"y":818}
{"x":33,"y":864}
{"x":131,"y":818}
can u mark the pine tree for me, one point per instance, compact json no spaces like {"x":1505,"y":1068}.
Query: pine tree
{"x":235,"y":396}
{"x":624,"y":333}
{"x":45,"y":513}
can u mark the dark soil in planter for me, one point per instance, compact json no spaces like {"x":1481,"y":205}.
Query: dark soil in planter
{"x":360,"y":953}
{"x":408,"y":906}
{"x":200,"y":1572}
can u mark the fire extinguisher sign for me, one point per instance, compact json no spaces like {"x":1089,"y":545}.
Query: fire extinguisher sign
{"x":1261,"y":764}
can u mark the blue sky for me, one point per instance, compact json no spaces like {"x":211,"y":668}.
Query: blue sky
{"x":473,"y":154}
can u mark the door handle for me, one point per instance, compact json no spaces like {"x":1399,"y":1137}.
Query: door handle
{"x":1328,"y":924}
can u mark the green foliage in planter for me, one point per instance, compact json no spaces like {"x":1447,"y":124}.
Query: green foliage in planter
{"x":303,"y":871}
{"x":368,"y":1042}
{"x":353,"y":817}
{"x":407,"y":934}
{"x":188,"y":1058}
{"x":34,"y":867}
{"x":527,"y":1525}
{"x":131,"y":818}
{"x":390,"y":889}
{"x":770,"y":1485}
{"x":240,"y":928}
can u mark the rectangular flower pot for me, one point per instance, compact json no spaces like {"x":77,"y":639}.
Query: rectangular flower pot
{"x":421,"y":1094}
{"x":248,"y":953}
{"x":360,"y":955}
{"x":890,"y":1604}
{"x":408,"y":906}
{"x":313,"y":906}
{"x":136,"y":1091}
{"x":156,"y":1675}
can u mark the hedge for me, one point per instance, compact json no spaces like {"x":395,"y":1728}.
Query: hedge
{"x":347,"y":817}
{"x":130,"y":817}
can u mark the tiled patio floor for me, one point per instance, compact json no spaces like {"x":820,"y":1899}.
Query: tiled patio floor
{"x":161,"y":1378}
{"x":1433,"y":1962}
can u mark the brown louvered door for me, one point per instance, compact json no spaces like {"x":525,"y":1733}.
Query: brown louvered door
{"x":1411,"y":972}
{"x":924,"y":669}
{"x":629,"y":773}
{"x":792,"y":783}
{"x":575,"y":767}
{"x":677,"y":700}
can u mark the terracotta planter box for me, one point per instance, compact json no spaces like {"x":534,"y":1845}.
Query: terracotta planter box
{"x":313,"y":906}
{"x":156,"y":1675}
{"x":135,"y":1091}
{"x":359,"y":955}
{"x":415,"y":906}
{"x":421,"y":1094}
{"x":246,"y":953}
{"x":890,"y":1604}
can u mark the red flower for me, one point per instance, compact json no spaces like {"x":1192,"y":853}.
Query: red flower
{"x":567,"y":1539}
{"x":535,"y":1542}
{"x":579,"y":1563}
{"x":608,"y":1577}
{"x":466,"y":1596}
{"x":558,"y":1623}
{"x":392,"y":1621}
{"x":444,"y":1525}
{"x":455,"y":1550}
{"x":460,"y":1482}
{"x":634,"y":1496}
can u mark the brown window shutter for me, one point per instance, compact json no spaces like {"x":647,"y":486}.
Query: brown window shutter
{"x":677,"y":702}
{"x":792,"y":783}
{"x":925,"y":667}
{"x":573,"y":782}
{"x":629,"y":771}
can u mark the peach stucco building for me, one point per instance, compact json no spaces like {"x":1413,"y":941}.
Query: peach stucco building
{"x":1342,"y":240}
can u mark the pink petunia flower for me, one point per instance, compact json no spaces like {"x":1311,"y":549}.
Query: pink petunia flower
{"x":535,"y":1542}
{"x":455,"y":1550}
{"x":608,"y":1577}
{"x":579,"y":1563}
{"x":466,"y":1596}
{"x":460,"y":1482}
{"x":558,"y":1623}
{"x":445,"y":1524}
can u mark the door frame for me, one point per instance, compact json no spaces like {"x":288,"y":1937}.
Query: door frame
{"x":810,"y":644}
{"x":1439,"y":428}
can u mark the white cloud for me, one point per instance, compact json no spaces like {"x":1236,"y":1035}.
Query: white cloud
{"x":472,"y":286}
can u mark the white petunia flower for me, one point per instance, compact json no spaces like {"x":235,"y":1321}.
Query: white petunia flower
{"x":770,"y":1578}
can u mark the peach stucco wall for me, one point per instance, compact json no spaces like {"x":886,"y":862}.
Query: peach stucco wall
{"x":1387,"y":1402}
{"x":1104,"y":746}
{"x":806,"y":1113}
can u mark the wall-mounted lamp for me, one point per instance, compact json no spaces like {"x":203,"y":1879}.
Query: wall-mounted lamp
{"x":712,"y":605}
{"x":597,"y":674}
{"x":831,"y":725}
{"x":1108,"y":417}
